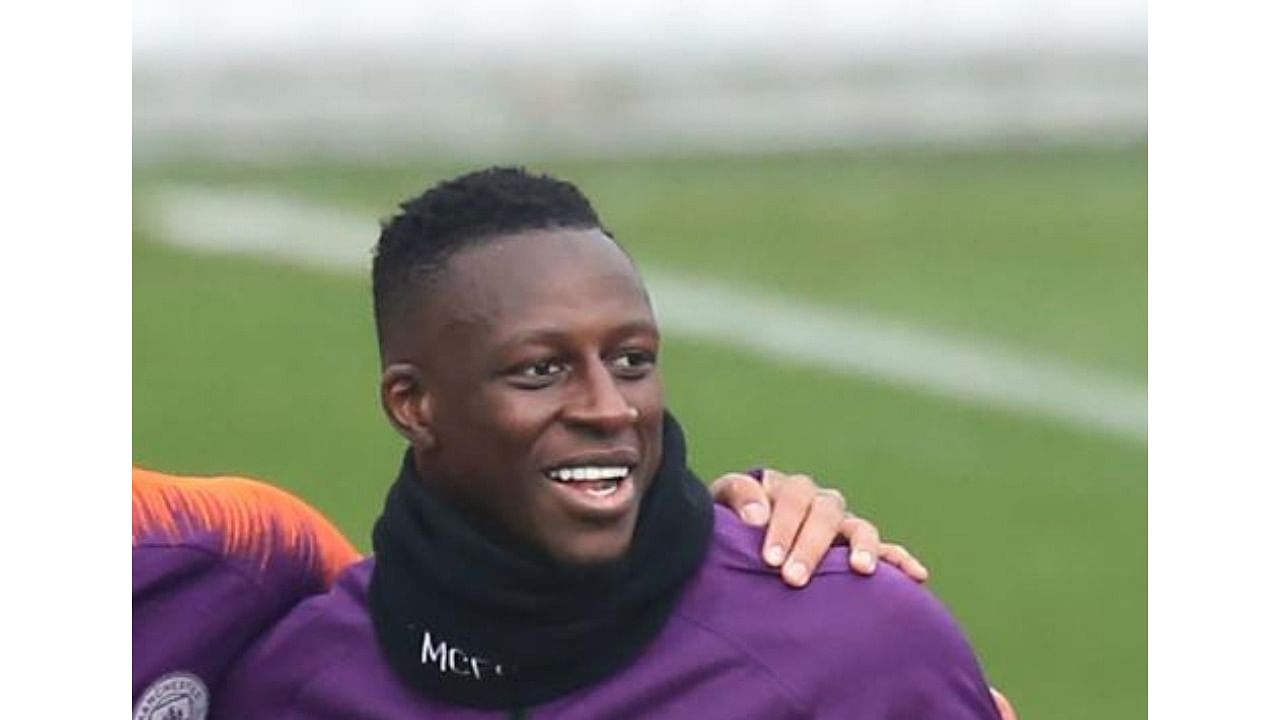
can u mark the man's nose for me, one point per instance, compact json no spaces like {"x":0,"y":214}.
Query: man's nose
{"x":599,"y":402}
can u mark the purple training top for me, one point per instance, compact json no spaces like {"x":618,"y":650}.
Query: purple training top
{"x":739,"y":644}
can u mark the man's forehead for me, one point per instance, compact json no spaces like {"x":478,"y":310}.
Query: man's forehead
{"x":534,"y":280}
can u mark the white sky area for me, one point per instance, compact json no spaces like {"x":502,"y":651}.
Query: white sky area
{"x":165,"y":30}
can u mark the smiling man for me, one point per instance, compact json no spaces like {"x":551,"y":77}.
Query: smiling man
{"x":544,"y":549}
{"x":529,"y":395}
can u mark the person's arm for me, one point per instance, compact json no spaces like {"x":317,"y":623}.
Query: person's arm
{"x":216,"y":562}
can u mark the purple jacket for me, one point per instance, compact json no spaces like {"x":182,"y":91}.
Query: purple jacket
{"x":739,"y":644}
{"x":216,"y":561}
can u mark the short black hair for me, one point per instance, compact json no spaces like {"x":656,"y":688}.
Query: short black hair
{"x":417,"y":242}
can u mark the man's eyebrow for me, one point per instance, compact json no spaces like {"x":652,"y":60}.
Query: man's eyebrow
{"x":552,"y":334}
{"x":462,"y":325}
{"x":637,"y":327}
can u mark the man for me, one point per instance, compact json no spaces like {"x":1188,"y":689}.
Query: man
{"x":544,"y":550}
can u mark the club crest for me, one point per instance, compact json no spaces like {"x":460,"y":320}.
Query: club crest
{"x":175,"y":696}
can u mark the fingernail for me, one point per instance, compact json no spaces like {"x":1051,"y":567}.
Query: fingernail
{"x":863,"y":561}
{"x":774,"y":555}
{"x":754,"y":513}
{"x":796,"y":571}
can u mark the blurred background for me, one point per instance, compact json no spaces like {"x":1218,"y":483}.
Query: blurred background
{"x":900,"y":246}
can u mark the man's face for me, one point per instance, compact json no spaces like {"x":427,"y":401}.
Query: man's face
{"x":538,"y":354}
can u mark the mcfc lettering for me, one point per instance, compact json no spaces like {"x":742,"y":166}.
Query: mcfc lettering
{"x":456,"y":660}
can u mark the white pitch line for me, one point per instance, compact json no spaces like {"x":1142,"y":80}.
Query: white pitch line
{"x":841,"y":341}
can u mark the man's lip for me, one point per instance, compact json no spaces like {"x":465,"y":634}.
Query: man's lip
{"x":610,"y":458}
{"x":584,"y":507}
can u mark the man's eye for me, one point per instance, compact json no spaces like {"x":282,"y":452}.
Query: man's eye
{"x":634,"y":362}
{"x":540,"y":370}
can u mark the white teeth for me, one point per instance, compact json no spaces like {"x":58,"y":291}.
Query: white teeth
{"x":588,"y":473}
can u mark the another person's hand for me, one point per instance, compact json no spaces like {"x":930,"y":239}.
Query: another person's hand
{"x":804,"y":521}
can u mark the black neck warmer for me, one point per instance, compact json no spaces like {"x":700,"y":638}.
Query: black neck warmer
{"x":472,"y":623}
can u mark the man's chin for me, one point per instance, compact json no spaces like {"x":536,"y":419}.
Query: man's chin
{"x":599,"y":547}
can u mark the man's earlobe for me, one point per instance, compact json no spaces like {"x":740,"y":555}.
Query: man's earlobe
{"x":407,"y":405}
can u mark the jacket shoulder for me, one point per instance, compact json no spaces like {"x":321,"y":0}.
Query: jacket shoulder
{"x":849,"y":645}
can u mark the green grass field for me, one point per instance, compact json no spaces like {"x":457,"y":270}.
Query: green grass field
{"x":1035,"y":531}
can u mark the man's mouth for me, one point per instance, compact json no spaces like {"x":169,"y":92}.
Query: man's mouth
{"x":597,"y":481}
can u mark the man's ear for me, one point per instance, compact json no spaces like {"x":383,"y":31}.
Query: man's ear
{"x":407,"y":405}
